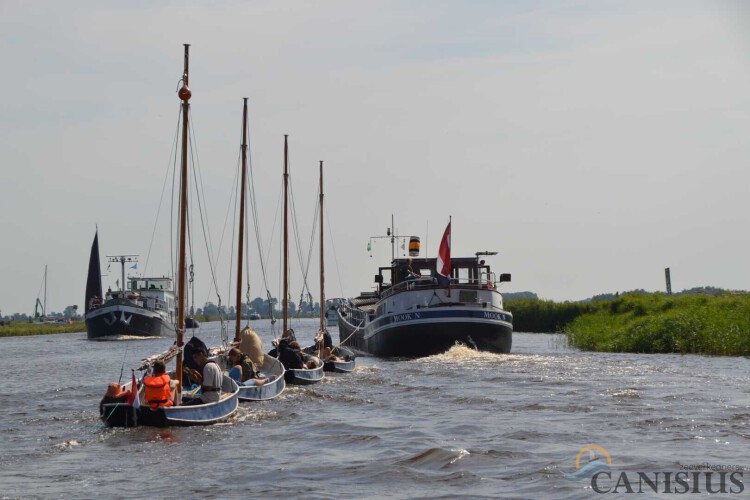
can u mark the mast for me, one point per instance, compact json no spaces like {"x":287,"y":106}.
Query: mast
{"x":242,"y":222}
{"x":322,"y":263}
{"x":393,"y":240}
{"x":44,"y":307}
{"x":184,"y":95}
{"x":286,"y":233}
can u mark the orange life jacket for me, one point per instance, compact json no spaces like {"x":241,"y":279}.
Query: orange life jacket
{"x":158,"y":393}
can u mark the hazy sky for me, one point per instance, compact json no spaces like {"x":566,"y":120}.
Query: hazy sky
{"x":592,"y":144}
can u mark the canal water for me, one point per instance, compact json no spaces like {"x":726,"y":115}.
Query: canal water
{"x":463,"y":423}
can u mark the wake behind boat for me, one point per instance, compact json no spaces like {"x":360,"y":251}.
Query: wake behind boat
{"x":424,"y":306}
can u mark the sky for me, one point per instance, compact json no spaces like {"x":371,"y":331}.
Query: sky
{"x":592,"y":144}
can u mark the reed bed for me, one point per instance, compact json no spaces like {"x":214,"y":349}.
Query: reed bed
{"x":20,"y":329}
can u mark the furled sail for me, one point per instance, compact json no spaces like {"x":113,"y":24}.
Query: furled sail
{"x":94,"y":280}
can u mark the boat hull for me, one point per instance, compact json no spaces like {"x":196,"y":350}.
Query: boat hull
{"x":125,"y":415}
{"x":305,"y":377}
{"x":341,"y":366}
{"x":429,"y":332}
{"x":269,"y":390}
{"x":122,"y":320}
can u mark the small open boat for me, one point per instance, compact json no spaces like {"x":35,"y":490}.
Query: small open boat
{"x":346,"y":366}
{"x":121,"y":414}
{"x":275,"y":385}
{"x":301,"y":376}
{"x":306,"y":376}
{"x":117,"y":410}
{"x":345,"y":358}
{"x":270,"y":367}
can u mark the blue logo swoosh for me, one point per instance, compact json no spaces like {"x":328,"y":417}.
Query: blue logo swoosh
{"x":586,"y":471}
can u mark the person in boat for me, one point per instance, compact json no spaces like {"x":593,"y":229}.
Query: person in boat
{"x":243,"y":369}
{"x":114,"y":394}
{"x":409,"y":272}
{"x":288,"y":336}
{"x":209,"y":377}
{"x":308,"y":361}
{"x":290,"y":357}
{"x":95,"y":302}
{"x":326,"y":349}
{"x":158,"y":386}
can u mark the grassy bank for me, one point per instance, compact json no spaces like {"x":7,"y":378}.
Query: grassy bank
{"x":22,"y":328}
{"x":655,"y":323}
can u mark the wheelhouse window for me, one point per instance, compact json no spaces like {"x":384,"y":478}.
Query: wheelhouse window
{"x":151,"y":284}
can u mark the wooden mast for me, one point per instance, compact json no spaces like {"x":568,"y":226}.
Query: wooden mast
{"x":184,"y":95}
{"x":286,"y":234}
{"x":242,"y":223}
{"x":322,"y":263}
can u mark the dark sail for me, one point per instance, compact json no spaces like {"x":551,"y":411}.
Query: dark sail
{"x":94,"y":280}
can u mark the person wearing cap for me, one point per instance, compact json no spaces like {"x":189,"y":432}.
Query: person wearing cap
{"x":209,"y":376}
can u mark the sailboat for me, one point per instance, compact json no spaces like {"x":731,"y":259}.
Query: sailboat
{"x":271,"y":367}
{"x":39,"y":304}
{"x":135,"y":410}
{"x":300,"y":376}
{"x":342,"y":360}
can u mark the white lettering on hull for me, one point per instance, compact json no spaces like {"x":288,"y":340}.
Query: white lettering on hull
{"x":406,"y":317}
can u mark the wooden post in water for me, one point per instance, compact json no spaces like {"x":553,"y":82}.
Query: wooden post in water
{"x":242,"y":223}
{"x":184,"y":95}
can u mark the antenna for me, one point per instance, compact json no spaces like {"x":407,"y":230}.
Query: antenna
{"x":122,"y":259}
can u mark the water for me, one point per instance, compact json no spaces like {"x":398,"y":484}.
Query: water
{"x":461,"y":423}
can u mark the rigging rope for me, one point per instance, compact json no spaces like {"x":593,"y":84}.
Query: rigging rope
{"x":172,"y":160}
{"x":335,"y":258}
{"x":203,"y":218}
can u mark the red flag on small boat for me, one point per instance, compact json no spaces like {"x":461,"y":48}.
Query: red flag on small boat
{"x":443,"y":264}
{"x":133,"y":399}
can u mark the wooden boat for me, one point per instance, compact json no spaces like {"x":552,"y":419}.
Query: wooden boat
{"x":347,"y":361}
{"x":117,"y":414}
{"x":427,"y":312}
{"x":272,"y":368}
{"x":294,"y":376}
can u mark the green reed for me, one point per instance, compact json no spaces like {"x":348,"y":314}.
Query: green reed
{"x":21,"y":328}
{"x":544,"y":316}
{"x":657,"y":323}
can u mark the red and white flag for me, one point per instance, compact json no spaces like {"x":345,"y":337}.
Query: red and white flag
{"x":133,"y":399}
{"x":443,"y":264}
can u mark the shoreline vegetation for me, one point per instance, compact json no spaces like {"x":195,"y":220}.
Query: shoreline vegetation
{"x":637,"y":322}
{"x":24,"y":328}
{"x":648,"y":323}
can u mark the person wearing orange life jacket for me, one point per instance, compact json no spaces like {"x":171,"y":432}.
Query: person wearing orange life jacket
{"x":158,"y":389}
